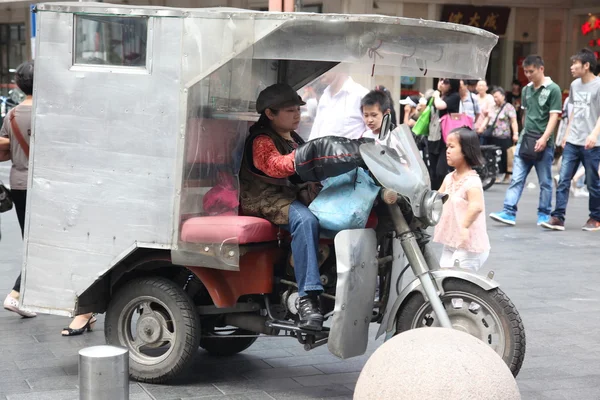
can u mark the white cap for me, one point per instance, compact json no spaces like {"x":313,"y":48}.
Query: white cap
{"x":408,"y":101}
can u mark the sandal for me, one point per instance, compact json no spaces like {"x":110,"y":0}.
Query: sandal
{"x":87,"y":327}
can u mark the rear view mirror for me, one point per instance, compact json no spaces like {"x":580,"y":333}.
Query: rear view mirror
{"x":386,"y":124}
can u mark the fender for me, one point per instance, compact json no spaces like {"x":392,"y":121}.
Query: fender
{"x":439,"y":277}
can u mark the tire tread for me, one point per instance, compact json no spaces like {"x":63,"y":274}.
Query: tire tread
{"x":188,"y":313}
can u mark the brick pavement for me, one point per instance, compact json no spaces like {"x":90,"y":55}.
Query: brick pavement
{"x":552,"y":277}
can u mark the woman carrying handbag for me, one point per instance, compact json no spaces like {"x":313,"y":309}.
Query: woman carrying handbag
{"x":503,"y":131}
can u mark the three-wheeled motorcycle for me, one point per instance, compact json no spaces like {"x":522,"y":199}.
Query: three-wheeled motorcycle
{"x":140,"y":119}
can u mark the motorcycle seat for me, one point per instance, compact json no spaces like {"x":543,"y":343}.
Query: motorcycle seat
{"x":232,"y":229}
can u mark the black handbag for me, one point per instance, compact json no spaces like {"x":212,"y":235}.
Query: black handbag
{"x":6,"y":202}
{"x":489,"y":131}
{"x":527,"y":149}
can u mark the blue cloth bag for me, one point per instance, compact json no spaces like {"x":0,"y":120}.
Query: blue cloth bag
{"x":345,"y":201}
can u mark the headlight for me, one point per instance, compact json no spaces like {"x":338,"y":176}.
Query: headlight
{"x":432,"y":206}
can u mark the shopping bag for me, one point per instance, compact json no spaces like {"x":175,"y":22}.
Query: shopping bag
{"x":345,"y":201}
{"x":421,"y":127}
{"x":510,"y":157}
{"x":452,"y":121}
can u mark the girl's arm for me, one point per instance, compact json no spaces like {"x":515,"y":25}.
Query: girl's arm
{"x":442,"y":188}
{"x":474,"y":208}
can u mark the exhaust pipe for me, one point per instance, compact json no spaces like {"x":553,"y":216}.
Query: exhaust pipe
{"x":250,"y":322}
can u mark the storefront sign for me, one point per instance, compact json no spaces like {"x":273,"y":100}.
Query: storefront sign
{"x":493,"y":19}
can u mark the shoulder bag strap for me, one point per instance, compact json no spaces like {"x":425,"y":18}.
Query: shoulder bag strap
{"x":18,"y":135}
{"x":497,"y":115}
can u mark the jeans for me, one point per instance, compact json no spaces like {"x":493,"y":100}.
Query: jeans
{"x":521,"y":169}
{"x":19,"y":198}
{"x":304,"y":227}
{"x":572,"y":156}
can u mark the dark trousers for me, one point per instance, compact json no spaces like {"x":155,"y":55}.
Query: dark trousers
{"x":438,"y":165}
{"x":19,"y":198}
{"x":504,"y":144}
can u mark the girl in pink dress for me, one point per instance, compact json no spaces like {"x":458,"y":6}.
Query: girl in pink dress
{"x":462,"y":229}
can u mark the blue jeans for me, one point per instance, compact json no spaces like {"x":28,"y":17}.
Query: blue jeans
{"x":572,"y":156}
{"x":304,"y":227}
{"x":521,"y":169}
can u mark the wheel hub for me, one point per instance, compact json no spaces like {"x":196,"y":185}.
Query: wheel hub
{"x":149,"y":328}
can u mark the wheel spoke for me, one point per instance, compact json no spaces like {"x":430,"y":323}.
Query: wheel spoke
{"x":137,"y":344}
{"x":145,"y":309}
{"x":167,"y":335}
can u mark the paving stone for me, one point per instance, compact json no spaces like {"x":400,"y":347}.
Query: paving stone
{"x":246,"y":396}
{"x":50,"y":395}
{"x":317,"y":392}
{"x":241,"y":387}
{"x":33,"y":373}
{"x":53,"y":383}
{"x":341,"y":367}
{"x":171,"y":392}
{"x":46,"y":362}
{"x":301,"y":360}
{"x":323,"y":380}
{"x":287,"y":372}
{"x":14,"y":387}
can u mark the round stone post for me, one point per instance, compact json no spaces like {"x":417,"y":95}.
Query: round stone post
{"x":435,"y":363}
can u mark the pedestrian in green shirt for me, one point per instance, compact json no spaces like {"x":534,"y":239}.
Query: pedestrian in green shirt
{"x":542,"y":105}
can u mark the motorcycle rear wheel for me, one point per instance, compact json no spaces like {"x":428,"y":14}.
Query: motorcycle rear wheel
{"x":488,"y":315}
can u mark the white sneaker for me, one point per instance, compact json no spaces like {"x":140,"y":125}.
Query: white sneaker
{"x":581,"y":192}
{"x":12,"y":304}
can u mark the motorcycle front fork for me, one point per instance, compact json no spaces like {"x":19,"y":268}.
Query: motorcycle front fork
{"x":418,"y":264}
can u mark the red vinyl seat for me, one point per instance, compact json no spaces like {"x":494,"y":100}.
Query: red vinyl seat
{"x":235,"y":229}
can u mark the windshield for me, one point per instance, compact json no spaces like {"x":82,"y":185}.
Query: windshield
{"x":397,"y":164}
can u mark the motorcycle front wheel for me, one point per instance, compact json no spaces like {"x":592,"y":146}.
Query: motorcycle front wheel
{"x":487,"y":179}
{"x":488,"y":315}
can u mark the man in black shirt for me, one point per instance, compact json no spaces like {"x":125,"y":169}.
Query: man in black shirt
{"x":514,"y":97}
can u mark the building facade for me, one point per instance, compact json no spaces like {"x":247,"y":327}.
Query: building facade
{"x":555,"y":29}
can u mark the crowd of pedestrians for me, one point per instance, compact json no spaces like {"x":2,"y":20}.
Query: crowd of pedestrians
{"x":542,"y":106}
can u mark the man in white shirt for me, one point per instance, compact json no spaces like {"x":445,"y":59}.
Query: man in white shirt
{"x":338,"y":113}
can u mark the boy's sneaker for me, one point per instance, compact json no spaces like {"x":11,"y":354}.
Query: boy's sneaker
{"x":542,"y":218}
{"x":504,"y":217}
{"x":591,"y":225}
{"x":555,"y":224}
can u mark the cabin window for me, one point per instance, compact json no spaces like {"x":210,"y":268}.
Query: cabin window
{"x":111,"y":40}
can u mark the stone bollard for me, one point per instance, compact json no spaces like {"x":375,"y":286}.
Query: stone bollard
{"x":435,"y":363}
{"x":103,"y":373}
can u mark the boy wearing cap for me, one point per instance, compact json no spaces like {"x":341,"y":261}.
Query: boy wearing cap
{"x":270,"y":189}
